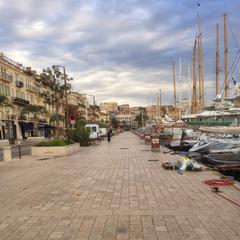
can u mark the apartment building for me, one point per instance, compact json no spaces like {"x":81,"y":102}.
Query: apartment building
{"x":109,"y":107}
{"x":21,"y":86}
{"x":124,"y":108}
{"x":79,"y":105}
{"x":125,"y":119}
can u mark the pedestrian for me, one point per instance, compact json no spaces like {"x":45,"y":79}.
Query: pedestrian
{"x":109,"y":135}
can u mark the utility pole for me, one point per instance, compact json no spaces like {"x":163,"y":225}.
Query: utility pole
{"x":194,"y":95}
{"x":225,"y":56}
{"x":174,"y":92}
{"x":217,"y":59}
{"x":94,"y":111}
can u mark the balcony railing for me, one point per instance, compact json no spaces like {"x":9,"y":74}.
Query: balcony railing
{"x":6,"y":77}
{"x":20,"y":101}
{"x":19,"y":84}
{"x":33,"y":88}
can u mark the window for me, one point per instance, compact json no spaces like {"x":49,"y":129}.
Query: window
{"x":20,"y":94}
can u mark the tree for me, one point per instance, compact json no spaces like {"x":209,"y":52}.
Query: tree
{"x":53,"y":79}
{"x":35,"y":110}
{"x":142,"y":117}
{"x":115,"y":122}
{"x":4,"y":101}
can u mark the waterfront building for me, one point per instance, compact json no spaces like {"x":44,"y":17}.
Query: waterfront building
{"x":109,"y":107}
{"x":124,"y":108}
{"x":126,"y":119}
{"x":78,"y":105}
{"x":19,"y":85}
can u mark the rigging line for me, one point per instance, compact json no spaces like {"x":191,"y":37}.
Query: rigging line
{"x":231,"y":74}
{"x":233,"y":67}
{"x":234,"y":37}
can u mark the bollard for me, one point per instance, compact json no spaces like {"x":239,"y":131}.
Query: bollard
{"x":155,"y":143}
{"x":7,"y":156}
{"x":147,"y":139}
{"x":19,"y":150}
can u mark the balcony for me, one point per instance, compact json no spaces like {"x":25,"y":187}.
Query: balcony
{"x":6,"y":77}
{"x":20,"y":101}
{"x":33,"y":88}
{"x":19,"y":84}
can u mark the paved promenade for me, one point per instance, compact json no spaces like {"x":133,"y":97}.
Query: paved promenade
{"x":111,"y":191}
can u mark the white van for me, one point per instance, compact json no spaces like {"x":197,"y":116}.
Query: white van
{"x":94,"y":131}
{"x":103,"y":132}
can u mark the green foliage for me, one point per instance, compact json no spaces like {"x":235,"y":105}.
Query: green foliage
{"x":80,"y":135}
{"x":55,"y":143}
{"x":34,"y":109}
{"x":4,"y":101}
{"x":80,"y":123}
{"x":115,"y":123}
{"x":57,"y":117}
{"x":139,"y":118}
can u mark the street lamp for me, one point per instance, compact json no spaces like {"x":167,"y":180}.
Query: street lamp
{"x":93,"y":106}
{"x":66,"y":101}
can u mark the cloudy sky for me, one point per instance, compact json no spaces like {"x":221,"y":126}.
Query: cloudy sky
{"x":117,"y":50}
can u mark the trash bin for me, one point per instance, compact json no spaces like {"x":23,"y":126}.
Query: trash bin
{"x":155,"y":143}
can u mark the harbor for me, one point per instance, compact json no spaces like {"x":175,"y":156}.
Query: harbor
{"x":116,"y":190}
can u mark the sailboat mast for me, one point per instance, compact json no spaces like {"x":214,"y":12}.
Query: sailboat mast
{"x":180,"y":88}
{"x":194,"y":95}
{"x":157,"y":99}
{"x":201,"y":66}
{"x":160,"y":105}
{"x":189,"y":89}
{"x":217,"y":59}
{"x":174,"y":91}
{"x":199,"y":74}
{"x":225,"y":56}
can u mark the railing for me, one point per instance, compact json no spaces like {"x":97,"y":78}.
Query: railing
{"x":10,"y":61}
{"x":6,"y":77}
{"x":20,"y":101}
{"x":33,"y":88}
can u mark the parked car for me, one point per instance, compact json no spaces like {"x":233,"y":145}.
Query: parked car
{"x":103,"y":132}
{"x":94,"y":131}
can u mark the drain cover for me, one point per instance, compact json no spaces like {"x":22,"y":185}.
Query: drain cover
{"x":124,"y":148}
{"x":153,"y":160}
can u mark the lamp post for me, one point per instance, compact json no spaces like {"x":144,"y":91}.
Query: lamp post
{"x":66,"y":100}
{"x":93,"y":107}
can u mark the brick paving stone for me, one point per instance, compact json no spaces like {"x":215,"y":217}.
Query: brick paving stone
{"x":108,"y":192}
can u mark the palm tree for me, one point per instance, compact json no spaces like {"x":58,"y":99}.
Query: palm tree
{"x":35,"y":110}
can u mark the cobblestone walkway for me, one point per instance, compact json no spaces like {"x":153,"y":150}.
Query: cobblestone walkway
{"x":111,"y":191}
